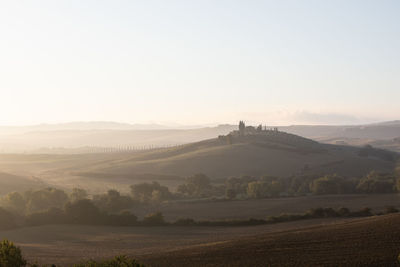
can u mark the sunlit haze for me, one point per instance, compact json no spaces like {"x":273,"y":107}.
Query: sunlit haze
{"x":199,"y":62}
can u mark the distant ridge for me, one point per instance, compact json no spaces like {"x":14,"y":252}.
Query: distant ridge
{"x":75,"y":135}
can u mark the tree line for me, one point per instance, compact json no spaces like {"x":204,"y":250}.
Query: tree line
{"x":52,"y":205}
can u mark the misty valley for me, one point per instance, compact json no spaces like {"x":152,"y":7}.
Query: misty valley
{"x":249,"y":181}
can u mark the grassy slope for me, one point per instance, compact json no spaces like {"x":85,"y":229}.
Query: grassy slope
{"x":250,"y":157}
{"x":371,"y":241}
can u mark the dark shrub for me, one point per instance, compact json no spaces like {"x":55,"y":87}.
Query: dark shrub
{"x":196,"y":186}
{"x":343,"y":212}
{"x":376,"y":182}
{"x":185,"y":222}
{"x":125,"y":218}
{"x":119,"y":261}
{"x":316,"y":213}
{"x":44,"y":199}
{"x":10,"y":255}
{"x":363,"y":212}
{"x":83,"y":211}
{"x":285,"y":218}
{"x":332,"y":184}
{"x":154,"y":219}
{"x":154,"y":192}
{"x":322,"y":213}
{"x":390,"y":209}
{"x":78,"y":194}
{"x":112,"y":202}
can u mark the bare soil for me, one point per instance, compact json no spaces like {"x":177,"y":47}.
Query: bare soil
{"x":67,"y":244}
{"x":373,"y":241}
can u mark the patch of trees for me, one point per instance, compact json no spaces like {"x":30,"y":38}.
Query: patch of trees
{"x":264,"y":187}
{"x":150,"y":192}
{"x":55,"y":206}
{"x":376,"y":182}
{"x":199,"y":186}
{"x":332,"y":184}
{"x":112,"y":201}
{"x":86,"y":212}
{"x":35,"y":200}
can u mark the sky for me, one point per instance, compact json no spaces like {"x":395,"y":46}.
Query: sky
{"x":199,"y":62}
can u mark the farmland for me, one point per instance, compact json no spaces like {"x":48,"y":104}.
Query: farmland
{"x":371,"y":241}
{"x":261,"y":208}
{"x":329,"y":242}
{"x":67,"y":244}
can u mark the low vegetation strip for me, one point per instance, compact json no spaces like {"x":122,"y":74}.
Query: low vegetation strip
{"x":11,"y":256}
{"x":311,"y":214}
{"x":84,"y":212}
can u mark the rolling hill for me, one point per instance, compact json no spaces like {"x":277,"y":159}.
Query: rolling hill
{"x":274,"y":153}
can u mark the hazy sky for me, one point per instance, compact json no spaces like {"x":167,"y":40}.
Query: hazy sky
{"x":199,"y":61}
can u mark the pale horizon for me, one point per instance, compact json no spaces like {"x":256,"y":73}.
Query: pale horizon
{"x":191,"y":63}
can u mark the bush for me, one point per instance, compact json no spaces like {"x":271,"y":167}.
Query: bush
{"x":376,"y":182}
{"x":196,"y":186}
{"x":185,"y":222}
{"x":343,"y":212}
{"x":112,"y":202}
{"x":44,"y":199}
{"x":146,"y":192}
{"x":331,"y":184}
{"x":154,"y":219}
{"x":82,"y":211}
{"x":10,"y":255}
{"x":78,"y":194}
{"x":286,"y":218}
{"x":390,"y":209}
{"x":125,"y":218}
{"x":119,"y":261}
{"x":365,"y":212}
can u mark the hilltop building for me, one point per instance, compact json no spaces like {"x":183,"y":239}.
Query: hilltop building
{"x":251,"y":130}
